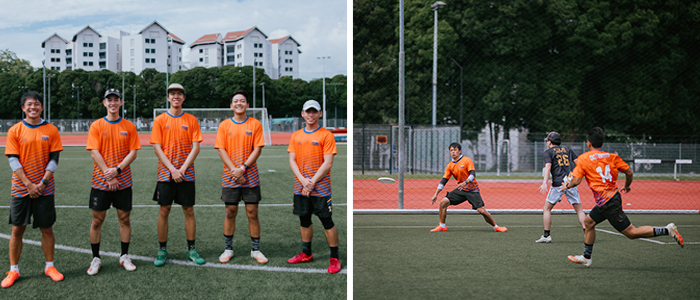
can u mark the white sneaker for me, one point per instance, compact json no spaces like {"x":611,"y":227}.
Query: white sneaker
{"x":95,"y":266}
{"x":579,"y":259}
{"x":125,"y":262}
{"x":258,"y":256}
{"x":544,"y":239}
{"x":226,"y":256}
{"x":673,"y":232}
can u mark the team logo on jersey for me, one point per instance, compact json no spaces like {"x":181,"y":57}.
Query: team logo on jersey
{"x":167,"y":127}
{"x":230,"y":133}
{"x":123,"y":133}
{"x":248,"y":132}
{"x":461,"y":167}
{"x":298,"y":143}
{"x":45,"y":138}
{"x":104,"y":134}
{"x":315,"y":143}
{"x":185,"y":127}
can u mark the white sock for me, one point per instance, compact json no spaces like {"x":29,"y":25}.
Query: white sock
{"x":15,"y":268}
{"x":495,"y":226}
{"x":49,"y":264}
{"x":442,"y":225}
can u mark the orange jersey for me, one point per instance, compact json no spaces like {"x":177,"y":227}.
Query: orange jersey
{"x":114,"y":140}
{"x":239,"y":140}
{"x":176,"y":134}
{"x":460,"y":170}
{"x":310,"y":147}
{"x":600,"y":169}
{"x":33,"y":145}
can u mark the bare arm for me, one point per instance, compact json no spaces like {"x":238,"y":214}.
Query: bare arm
{"x":190,"y":157}
{"x":546,"y":171}
{"x":252,"y":158}
{"x":110,"y":173}
{"x":295,"y":169}
{"x":628,"y":180}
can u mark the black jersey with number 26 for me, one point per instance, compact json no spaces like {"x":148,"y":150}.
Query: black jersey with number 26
{"x":562,"y":160}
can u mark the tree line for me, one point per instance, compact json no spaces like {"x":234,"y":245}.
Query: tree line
{"x":631,"y":67}
{"x":79,"y":93}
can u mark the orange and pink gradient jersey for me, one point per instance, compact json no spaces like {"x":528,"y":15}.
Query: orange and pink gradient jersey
{"x":460,"y":170}
{"x":114,"y":140}
{"x":33,"y":145}
{"x":176,"y":134}
{"x":601,"y":170}
{"x":310,"y":147}
{"x":239,"y":140}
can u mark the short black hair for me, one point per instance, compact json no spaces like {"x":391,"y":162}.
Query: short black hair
{"x":596,"y":136}
{"x":240,"y":92}
{"x":32,"y":95}
{"x":455,"y":145}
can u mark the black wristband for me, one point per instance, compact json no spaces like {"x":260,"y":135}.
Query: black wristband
{"x":245,"y":166}
{"x":119,"y":170}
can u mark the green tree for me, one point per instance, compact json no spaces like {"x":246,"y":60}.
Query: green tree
{"x":10,"y":63}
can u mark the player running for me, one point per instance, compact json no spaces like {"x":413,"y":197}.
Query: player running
{"x":239,"y":141}
{"x":112,"y":142}
{"x":33,"y":147}
{"x":560,"y":161}
{"x":175,"y":137}
{"x":462,"y":168}
{"x":601,"y":170}
{"x":311,"y":151}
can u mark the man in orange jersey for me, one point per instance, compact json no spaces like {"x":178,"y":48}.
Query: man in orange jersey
{"x":311,"y":151}
{"x":601,"y":170}
{"x":462,"y":168}
{"x":112,"y":142}
{"x":239,"y":141}
{"x":33,"y":148}
{"x":175,"y":137}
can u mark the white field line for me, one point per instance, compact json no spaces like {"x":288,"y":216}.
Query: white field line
{"x":185,"y":263}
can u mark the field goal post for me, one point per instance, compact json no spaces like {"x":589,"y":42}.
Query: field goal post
{"x":210,"y":118}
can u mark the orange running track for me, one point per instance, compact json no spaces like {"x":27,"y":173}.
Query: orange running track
{"x":514,"y":194}
{"x":278,"y":138}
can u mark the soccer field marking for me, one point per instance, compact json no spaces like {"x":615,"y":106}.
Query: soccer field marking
{"x":182,"y":262}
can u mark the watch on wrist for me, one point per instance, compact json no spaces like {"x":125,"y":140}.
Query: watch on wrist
{"x":119,"y":170}
{"x":43,"y":181}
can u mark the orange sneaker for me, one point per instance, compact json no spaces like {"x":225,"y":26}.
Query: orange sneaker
{"x":500,"y":229}
{"x":438,"y":228}
{"x":10,"y":279}
{"x":334,"y":267}
{"x":300,"y":258}
{"x":54,"y":274}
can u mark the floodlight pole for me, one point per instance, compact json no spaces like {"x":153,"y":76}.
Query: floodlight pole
{"x":255,"y":63}
{"x":437,"y":5}
{"x":263,"y":87}
{"x":402,"y":95}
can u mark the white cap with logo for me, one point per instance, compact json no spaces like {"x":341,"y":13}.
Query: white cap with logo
{"x":311,"y":104}
{"x":176,"y":86}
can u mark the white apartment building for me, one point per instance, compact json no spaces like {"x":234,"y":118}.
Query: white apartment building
{"x":88,"y":50}
{"x":285,"y":52}
{"x":248,"y":48}
{"x":207,"y":51}
{"x":175,"y":62}
{"x":57,"y":53}
{"x":146,"y":50}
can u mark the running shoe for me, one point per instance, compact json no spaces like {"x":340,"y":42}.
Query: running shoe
{"x":194,"y":256}
{"x":226,"y":256}
{"x":10,"y":279}
{"x":438,"y":228}
{"x":673,"y":232}
{"x":160,"y":258}
{"x":125,"y":262}
{"x":95,"y":266}
{"x":544,"y":239}
{"x":334,"y":267}
{"x":579,"y":259}
{"x":258,"y":256}
{"x":500,"y":229}
{"x":300,"y":258}
{"x":54,"y":274}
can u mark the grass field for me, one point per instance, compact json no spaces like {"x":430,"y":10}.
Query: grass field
{"x":396,"y":257}
{"x":241,"y":278}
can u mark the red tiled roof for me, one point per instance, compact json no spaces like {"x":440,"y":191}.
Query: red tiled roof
{"x":206,"y":39}
{"x":280,"y":40}
{"x":236,"y":35}
{"x":175,"y":38}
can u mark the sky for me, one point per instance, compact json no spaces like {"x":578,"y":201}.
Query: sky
{"x":320,"y":26}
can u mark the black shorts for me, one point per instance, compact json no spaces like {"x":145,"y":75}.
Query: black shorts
{"x":43,"y":209}
{"x":182,"y":193}
{"x":233,"y":196}
{"x":102,"y":200}
{"x":612,"y":211}
{"x":305,"y":206}
{"x":457,"y":196}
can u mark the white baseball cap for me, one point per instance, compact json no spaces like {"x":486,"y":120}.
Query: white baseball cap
{"x":311,"y":104}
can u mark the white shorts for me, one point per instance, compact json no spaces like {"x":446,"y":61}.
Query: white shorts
{"x":555,"y":194}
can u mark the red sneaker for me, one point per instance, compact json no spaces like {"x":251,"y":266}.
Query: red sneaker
{"x":300,"y":258}
{"x":438,"y":228}
{"x":501,"y":229}
{"x":54,"y":274}
{"x":334,"y":267}
{"x":10,"y":279}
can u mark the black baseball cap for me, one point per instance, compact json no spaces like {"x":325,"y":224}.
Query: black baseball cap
{"x":554,"y":137}
{"x":112,"y":92}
